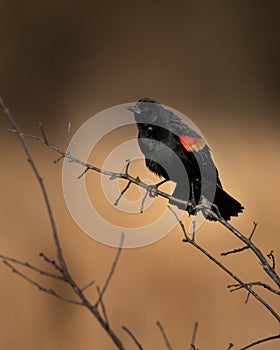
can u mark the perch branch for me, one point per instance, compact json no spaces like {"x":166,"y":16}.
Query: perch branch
{"x":270,"y":270}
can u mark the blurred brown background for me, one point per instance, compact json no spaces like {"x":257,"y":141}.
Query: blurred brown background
{"x":217,"y":62}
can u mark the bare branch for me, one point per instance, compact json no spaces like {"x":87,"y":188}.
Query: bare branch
{"x":194,"y":336}
{"x":241,"y":249}
{"x":273,"y":337}
{"x":214,"y":212}
{"x":32,"y":267}
{"x":68,"y":133}
{"x":102,"y":306}
{"x":234,"y":287}
{"x":64,"y":270}
{"x":40,"y":180}
{"x":132,"y":337}
{"x":112,"y":270}
{"x":43,"y":134}
{"x":39,"y":286}
{"x":164,"y":336}
{"x":230,"y":345}
{"x":271,"y":256}
{"x":265,"y":264}
{"x":143,"y":201}
{"x":83,"y":173}
{"x":122,"y":193}
{"x":87,"y":286}
{"x":52,"y":262}
{"x":225,"y":269}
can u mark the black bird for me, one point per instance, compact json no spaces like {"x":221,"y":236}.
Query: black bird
{"x":176,"y":152}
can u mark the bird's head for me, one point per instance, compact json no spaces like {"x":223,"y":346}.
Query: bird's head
{"x":146,"y":110}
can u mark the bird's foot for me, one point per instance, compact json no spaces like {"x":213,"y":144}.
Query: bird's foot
{"x":191,"y":207}
{"x":152,"y":191}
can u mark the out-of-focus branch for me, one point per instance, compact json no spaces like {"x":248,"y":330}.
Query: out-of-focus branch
{"x":132,"y":336}
{"x":61,"y":266}
{"x":164,"y":335}
{"x":195,"y":328}
{"x":31,"y":267}
{"x":112,"y":270}
{"x":40,"y":181}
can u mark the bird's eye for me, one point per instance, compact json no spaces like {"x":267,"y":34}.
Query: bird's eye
{"x":150,"y":128}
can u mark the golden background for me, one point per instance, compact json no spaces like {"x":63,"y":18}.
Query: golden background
{"x":218,"y":63}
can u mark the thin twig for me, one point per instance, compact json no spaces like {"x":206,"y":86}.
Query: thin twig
{"x":101,"y":303}
{"x":68,"y":278}
{"x":225,"y":269}
{"x":83,"y":173}
{"x":230,"y":345}
{"x":113,"y":175}
{"x":132,"y":336}
{"x":143,"y":201}
{"x":167,"y":343}
{"x":264,"y":263}
{"x":271,"y":256}
{"x":52,"y":262}
{"x":234,"y":287}
{"x":32,"y":267}
{"x":257,"y":342}
{"x":39,"y":286}
{"x":241,"y":249}
{"x":122,"y":193}
{"x":87,"y":286}
{"x":111,"y":272}
{"x":194,"y":336}
{"x":40,"y":180}
{"x":270,"y":270}
{"x":68,"y":133}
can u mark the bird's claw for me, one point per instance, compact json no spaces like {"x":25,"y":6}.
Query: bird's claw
{"x":152,"y":191}
{"x":191,"y":207}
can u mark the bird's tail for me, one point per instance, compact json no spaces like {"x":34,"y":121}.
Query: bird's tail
{"x":227,"y":205}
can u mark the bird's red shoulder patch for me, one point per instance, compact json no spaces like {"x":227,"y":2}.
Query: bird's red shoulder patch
{"x":192,"y":143}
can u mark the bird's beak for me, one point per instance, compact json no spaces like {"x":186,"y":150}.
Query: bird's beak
{"x":134,"y":109}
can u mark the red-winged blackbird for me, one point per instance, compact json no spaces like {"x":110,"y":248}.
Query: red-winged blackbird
{"x":176,"y":152}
